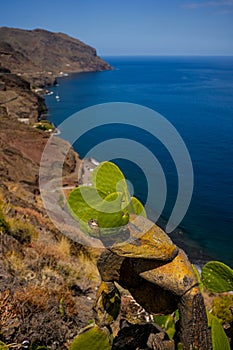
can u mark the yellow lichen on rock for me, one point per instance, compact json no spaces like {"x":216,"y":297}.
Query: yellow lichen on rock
{"x":146,"y":241}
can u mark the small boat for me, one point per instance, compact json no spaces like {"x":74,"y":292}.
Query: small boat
{"x":57,"y":98}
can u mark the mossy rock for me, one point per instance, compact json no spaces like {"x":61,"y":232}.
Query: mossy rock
{"x":92,"y":337}
{"x":147,"y":241}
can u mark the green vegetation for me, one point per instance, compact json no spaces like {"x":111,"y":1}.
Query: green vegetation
{"x":24,"y":232}
{"x":217,"y":277}
{"x":219,"y":338}
{"x":103,"y":209}
{"x":44,"y":125}
{"x":221,"y":308}
{"x":46,"y":273}
{"x":168,"y":322}
{"x":3,"y":346}
{"x":91,"y":337}
{"x":4,"y":226}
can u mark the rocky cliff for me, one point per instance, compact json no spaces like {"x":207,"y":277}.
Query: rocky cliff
{"x":39,"y":292}
{"x":18,"y":99}
{"x":39,"y":55}
{"x":44,"y":277}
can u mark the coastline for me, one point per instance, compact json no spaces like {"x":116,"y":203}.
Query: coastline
{"x":195,"y":253}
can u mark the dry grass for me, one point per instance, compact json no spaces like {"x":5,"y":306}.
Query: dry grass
{"x":88,"y":269}
{"x":21,"y":230}
{"x":29,"y":213}
{"x":17,"y":263}
{"x":7,"y":310}
{"x":64,"y":247}
{"x":31,"y":299}
{"x":49,"y":253}
{"x":43,"y":271}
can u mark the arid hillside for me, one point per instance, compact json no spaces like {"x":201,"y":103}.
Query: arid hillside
{"x":48,"y":282}
{"x":39,"y":55}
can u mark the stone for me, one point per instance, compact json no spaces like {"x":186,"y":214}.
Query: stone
{"x":160,"y":278}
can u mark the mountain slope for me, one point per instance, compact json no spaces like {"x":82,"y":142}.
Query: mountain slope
{"x":42,"y":55}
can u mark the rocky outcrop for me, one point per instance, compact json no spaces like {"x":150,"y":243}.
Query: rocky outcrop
{"x":17,"y":98}
{"x":143,"y":336}
{"x":159,"y":282}
{"x":25,"y":310}
{"x":39,"y":55}
{"x":20,"y":154}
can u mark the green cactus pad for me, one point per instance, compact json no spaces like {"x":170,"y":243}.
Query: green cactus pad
{"x":3,"y":346}
{"x":112,"y":303}
{"x":111,"y":214}
{"x":83,"y":200}
{"x":108,"y":178}
{"x":104,"y":208}
{"x":167,"y":322}
{"x":109,"y":218}
{"x":92,"y":337}
{"x":198,"y":277}
{"x":217,"y":277}
{"x":136,"y":207}
{"x":218,"y":335}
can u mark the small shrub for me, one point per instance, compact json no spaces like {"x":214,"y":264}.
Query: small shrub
{"x":16,"y":262}
{"x":221,"y":308}
{"x":44,"y":125}
{"x":4,"y":226}
{"x":64,"y":247}
{"x":31,"y":299}
{"x":24,"y":232}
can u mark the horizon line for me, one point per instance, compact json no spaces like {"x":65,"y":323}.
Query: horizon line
{"x":165,"y":55}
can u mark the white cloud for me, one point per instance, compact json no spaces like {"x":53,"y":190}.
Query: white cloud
{"x":218,"y":3}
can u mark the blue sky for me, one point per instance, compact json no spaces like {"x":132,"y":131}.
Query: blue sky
{"x":132,"y":27}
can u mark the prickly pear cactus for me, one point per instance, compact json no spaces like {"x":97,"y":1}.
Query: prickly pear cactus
{"x":218,"y":335}
{"x":167,"y":322}
{"x":3,"y":346}
{"x":107,"y":304}
{"x":92,"y":337}
{"x":103,"y":209}
{"x":217,"y":277}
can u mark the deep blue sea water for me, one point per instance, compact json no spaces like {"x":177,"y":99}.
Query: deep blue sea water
{"x":196,"y":95}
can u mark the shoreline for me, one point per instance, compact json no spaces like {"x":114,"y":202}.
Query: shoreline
{"x":195,"y":253}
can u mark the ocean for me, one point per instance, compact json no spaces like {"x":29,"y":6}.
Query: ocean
{"x":195,"y":94}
